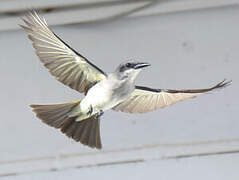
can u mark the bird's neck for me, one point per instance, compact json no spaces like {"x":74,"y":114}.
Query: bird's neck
{"x":121,"y":87}
{"x":122,"y":78}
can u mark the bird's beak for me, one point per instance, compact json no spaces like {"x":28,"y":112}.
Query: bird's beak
{"x":141,"y":65}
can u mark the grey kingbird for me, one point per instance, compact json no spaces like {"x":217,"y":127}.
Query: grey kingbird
{"x":80,"y":119}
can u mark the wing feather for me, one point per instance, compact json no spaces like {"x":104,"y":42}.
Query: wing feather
{"x":145,"y":99}
{"x":63,"y":62}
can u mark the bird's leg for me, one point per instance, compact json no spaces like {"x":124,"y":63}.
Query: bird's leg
{"x":90,"y":111}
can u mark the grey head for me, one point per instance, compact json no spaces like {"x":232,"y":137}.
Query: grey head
{"x":130,"y":69}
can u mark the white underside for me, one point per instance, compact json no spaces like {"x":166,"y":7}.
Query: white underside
{"x":100,"y":98}
{"x":104,"y":96}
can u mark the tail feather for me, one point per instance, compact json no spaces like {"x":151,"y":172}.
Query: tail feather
{"x":86,"y":131}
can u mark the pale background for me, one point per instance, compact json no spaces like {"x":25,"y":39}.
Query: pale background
{"x":198,"y":138}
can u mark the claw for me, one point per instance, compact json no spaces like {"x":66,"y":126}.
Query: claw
{"x":100,"y":113}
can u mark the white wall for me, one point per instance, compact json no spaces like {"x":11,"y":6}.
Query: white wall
{"x":194,"y":49}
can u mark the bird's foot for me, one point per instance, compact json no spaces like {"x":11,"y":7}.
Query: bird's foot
{"x":100,"y":113}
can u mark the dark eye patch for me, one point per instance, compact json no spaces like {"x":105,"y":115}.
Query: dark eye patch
{"x":122,"y":68}
{"x":126,"y":66}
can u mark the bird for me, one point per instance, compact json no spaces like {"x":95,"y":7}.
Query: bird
{"x":80,"y":119}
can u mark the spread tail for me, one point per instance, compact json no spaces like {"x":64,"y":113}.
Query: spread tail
{"x":86,"y":131}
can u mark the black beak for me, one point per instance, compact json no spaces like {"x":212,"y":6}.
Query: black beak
{"x":141,"y":65}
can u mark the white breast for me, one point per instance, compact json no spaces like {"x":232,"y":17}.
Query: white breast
{"x":105,"y":95}
{"x":99,"y":97}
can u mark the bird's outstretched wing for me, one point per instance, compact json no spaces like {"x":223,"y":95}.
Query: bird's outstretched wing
{"x":145,"y":99}
{"x":68,"y":66}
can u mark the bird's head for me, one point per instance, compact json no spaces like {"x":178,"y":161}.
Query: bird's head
{"x":130,"y":69}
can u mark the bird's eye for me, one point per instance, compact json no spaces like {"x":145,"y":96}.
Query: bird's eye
{"x":128,"y":65}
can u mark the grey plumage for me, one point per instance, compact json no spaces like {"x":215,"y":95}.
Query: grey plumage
{"x":80,"y":120}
